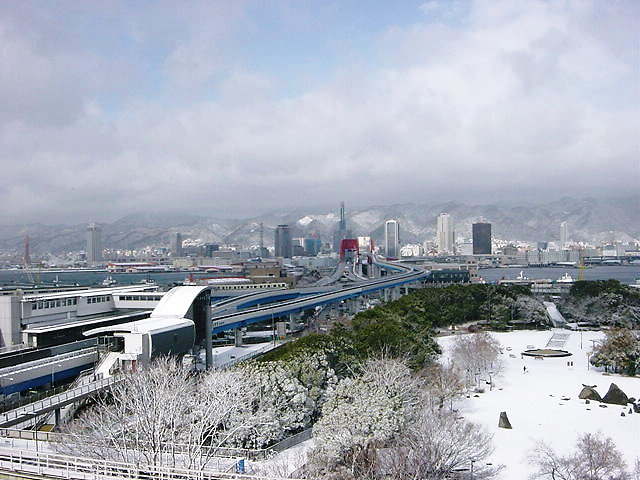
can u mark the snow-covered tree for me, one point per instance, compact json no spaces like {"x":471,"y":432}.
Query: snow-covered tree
{"x":286,"y":396}
{"x":595,"y":458}
{"x":162,"y":415}
{"x":362,"y":414}
{"x":619,"y":351}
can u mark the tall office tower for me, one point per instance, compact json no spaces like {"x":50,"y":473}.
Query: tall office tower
{"x":283,"y":241}
{"x":27,"y":254}
{"x":564,"y":234}
{"x":341,"y":230}
{"x":392,"y":238}
{"x":94,"y":243}
{"x":481,"y":233}
{"x":445,"y":234}
{"x":176,"y":247}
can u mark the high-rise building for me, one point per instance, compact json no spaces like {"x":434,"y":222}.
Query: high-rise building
{"x":283,"y":241}
{"x":445,"y":234}
{"x":27,"y":254}
{"x":341,"y":231}
{"x":312,"y":246}
{"x":94,"y":243}
{"x":392,"y":238}
{"x":176,"y":246}
{"x":564,"y":234}
{"x":481,"y":233}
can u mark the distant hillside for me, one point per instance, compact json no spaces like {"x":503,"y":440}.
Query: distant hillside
{"x":589,"y":219}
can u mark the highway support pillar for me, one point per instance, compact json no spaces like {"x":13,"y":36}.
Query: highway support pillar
{"x":395,"y":293}
{"x":237,"y":337}
{"x":386,"y":294}
{"x":56,"y":416}
{"x":355,"y":306}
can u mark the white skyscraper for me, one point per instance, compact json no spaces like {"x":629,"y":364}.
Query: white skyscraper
{"x":392,"y":238}
{"x":94,"y":243}
{"x":445,"y":237}
{"x":564,"y":234}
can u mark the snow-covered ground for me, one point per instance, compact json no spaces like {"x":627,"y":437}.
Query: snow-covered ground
{"x":534,"y":401}
{"x":284,"y":464}
{"x":224,"y":356}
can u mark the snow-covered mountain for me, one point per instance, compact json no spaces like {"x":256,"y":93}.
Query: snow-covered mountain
{"x":590,"y":219}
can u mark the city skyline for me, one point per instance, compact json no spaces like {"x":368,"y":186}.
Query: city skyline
{"x":212,"y":105}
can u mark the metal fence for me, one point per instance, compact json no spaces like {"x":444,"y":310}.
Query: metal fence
{"x":293,"y":440}
{"x":87,"y":468}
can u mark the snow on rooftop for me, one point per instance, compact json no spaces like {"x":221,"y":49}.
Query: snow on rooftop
{"x":176,"y":302}
{"x":535,"y":406}
{"x":147,"y":325}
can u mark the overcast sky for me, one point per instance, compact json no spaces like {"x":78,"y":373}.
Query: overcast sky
{"x":236,"y":107}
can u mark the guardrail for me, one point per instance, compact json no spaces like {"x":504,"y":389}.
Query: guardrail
{"x":51,"y":464}
{"x":21,"y":414}
{"x":18,"y":402}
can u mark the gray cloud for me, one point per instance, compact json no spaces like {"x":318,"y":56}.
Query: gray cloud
{"x":515,"y":100}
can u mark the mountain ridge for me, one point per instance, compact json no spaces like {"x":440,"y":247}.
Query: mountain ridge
{"x":589,"y":219}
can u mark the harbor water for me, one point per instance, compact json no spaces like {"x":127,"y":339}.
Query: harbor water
{"x":623,"y":273}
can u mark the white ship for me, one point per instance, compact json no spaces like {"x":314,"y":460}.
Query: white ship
{"x":565,"y":278}
{"x":109,"y":282}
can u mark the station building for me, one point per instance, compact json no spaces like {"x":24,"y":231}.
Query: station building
{"x":49,"y":318}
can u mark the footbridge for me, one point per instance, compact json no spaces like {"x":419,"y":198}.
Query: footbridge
{"x":55,"y":402}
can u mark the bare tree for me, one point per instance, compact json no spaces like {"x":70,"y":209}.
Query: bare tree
{"x":162,"y":415}
{"x":477,"y":356}
{"x":444,"y":384}
{"x":435,"y":446}
{"x":595,"y":458}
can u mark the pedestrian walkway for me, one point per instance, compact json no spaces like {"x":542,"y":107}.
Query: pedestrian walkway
{"x":63,"y":466}
{"x":54,"y":402}
{"x":558,"y":340}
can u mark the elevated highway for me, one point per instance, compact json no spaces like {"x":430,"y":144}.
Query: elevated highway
{"x":222,"y":321}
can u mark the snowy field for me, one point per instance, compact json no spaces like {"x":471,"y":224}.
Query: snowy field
{"x":534,"y":401}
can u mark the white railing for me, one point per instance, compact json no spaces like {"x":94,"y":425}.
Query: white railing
{"x":64,"y":466}
{"x":173,"y":448}
{"x":55,"y":401}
